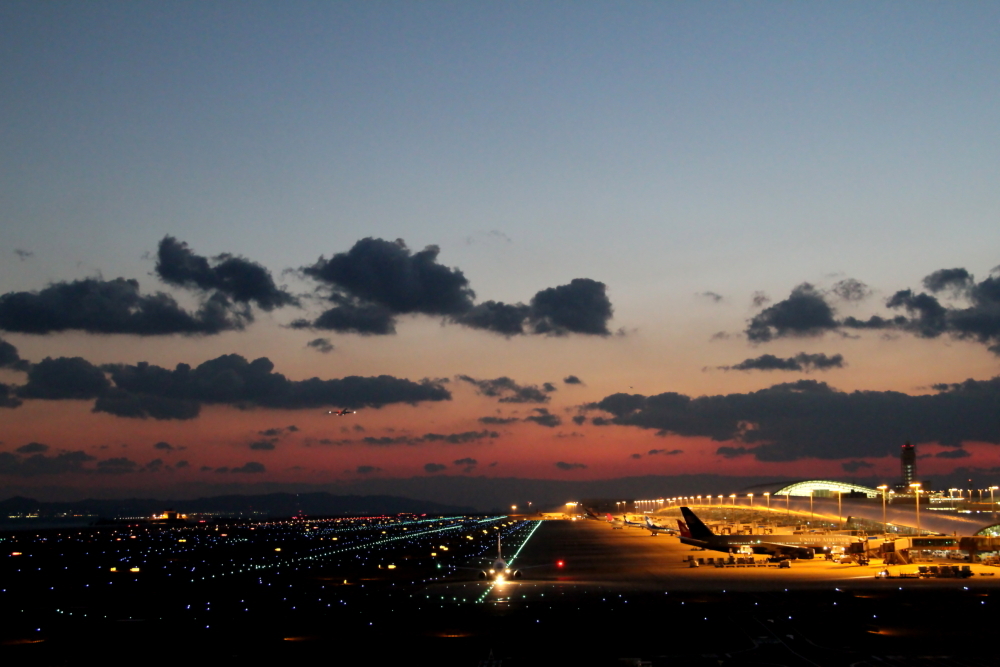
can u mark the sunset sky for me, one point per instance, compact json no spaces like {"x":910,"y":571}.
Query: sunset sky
{"x":561,"y":240}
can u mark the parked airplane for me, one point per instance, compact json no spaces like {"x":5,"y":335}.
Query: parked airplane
{"x":616,"y":524}
{"x":807,"y":545}
{"x":656,"y":528}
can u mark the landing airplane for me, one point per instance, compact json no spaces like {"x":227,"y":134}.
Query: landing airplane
{"x":500,"y":571}
{"x":805,"y":546}
{"x":656,"y":528}
{"x":340,"y":413}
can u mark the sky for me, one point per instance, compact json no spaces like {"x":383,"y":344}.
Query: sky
{"x":558,"y":241}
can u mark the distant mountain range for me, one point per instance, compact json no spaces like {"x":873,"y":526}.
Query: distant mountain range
{"x":271,"y":504}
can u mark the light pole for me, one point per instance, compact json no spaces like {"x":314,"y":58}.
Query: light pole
{"x":767,"y":496}
{"x":750,"y":496}
{"x":993,"y":507}
{"x":916,"y":494}
{"x":788,"y":503}
{"x":812,"y":515}
{"x":732,"y":497}
{"x":883,"y":489}
{"x":840,"y":514}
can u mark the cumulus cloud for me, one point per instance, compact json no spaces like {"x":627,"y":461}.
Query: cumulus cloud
{"x":147,"y":390}
{"x":9,"y":358}
{"x":467,"y":464}
{"x":40,"y":464}
{"x":804,"y":313}
{"x":582,"y":306}
{"x":807,"y":418}
{"x":7,"y":397}
{"x":507,"y":391}
{"x":165,"y":446}
{"x":321,"y":345}
{"x":114,"y":307}
{"x":434,"y":467}
{"x":544,"y":418}
{"x":263,"y":445}
{"x":850,"y":289}
{"x":64,"y":378}
{"x":563,"y":465}
{"x":237,"y":278}
{"x":572,"y":379}
{"x":958,"y":280}
{"x":711,"y":296}
{"x":665,"y":452}
{"x":495,"y":421}
{"x":32,"y":448}
{"x":800,"y":362}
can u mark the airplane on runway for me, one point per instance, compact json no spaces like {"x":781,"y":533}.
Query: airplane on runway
{"x":616,"y":524}
{"x":697,"y":534}
{"x":656,"y":528}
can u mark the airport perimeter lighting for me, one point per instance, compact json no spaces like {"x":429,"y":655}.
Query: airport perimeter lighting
{"x":883,"y":488}
{"x":916,"y":494}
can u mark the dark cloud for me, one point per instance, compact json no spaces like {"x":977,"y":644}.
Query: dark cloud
{"x":548,"y":387}
{"x":39,"y":464}
{"x":32,"y":448}
{"x":636,"y":456}
{"x":114,"y":307}
{"x":207,"y":468}
{"x":263,"y":445}
{"x":460,"y":438}
{"x":147,"y":390}
{"x":502,"y":318}
{"x":238,"y":278}
{"x":278,"y":431}
{"x":352,"y":317}
{"x":953,"y":454}
{"x":711,"y":296}
{"x":579,"y":419}
{"x":64,"y":378}
{"x":562,"y":465}
{"x":850,"y":289}
{"x":759,"y":298}
{"x":800,"y":362}
{"x":322,"y":345}
{"x":804,"y":313}
{"x":463,"y":438}
{"x":467,"y":464}
{"x":434,"y":467}
{"x":118,"y":465}
{"x":7,"y":397}
{"x":572,"y":379}
{"x":165,"y":446}
{"x":727,"y":452}
{"x":854,"y":466}
{"x":958,"y":280}
{"x":811,"y":419}
{"x":665,"y":452}
{"x":181,"y":464}
{"x":156,"y":465}
{"x":249,"y":467}
{"x":367,"y":470}
{"x":498,"y":420}
{"x":23,"y":254}
{"x":507,"y":390}
{"x":9,"y":358}
{"x":544,"y":418}
{"x":582,"y":306}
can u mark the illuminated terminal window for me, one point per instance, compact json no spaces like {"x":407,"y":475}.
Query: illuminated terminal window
{"x":820,"y":488}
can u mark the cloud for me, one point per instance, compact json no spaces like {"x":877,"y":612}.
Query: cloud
{"x":64,"y":378}
{"x":146,"y":390}
{"x":579,"y":419}
{"x":114,"y":307}
{"x":7,"y":397}
{"x":807,"y":418}
{"x":732,"y":452}
{"x":953,"y":454}
{"x":278,"y":431}
{"x":9,"y":358}
{"x":23,"y":254}
{"x":759,"y":298}
{"x":118,"y":465}
{"x":711,"y":296}
{"x":237,"y":278}
{"x":501,"y":318}
{"x":958,"y":280}
{"x":367,"y":470}
{"x":181,"y":464}
{"x":850,"y":289}
{"x":804,"y":313}
{"x":40,"y":464}
{"x":32,"y":448}
{"x":544,"y":418}
{"x":563,"y":465}
{"x":636,"y":456}
{"x":165,"y":446}
{"x":263,"y":445}
{"x":498,"y":420}
{"x":250,"y":467}
{"x":322,"y":345}
{"x":351,"y":317}
{"x":665,"y":452}
{"x":800,"y":362}
{"x":854,"y":466}
{"x":467,"y":464}
{"x":572,"y":379}
{"x":459,"y":438}
{"x":582,"y":306}
{"x":434,"y":467}
{"x":507,"y":390}
{"x":464,"y":438}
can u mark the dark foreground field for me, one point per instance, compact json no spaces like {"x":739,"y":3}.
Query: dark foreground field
{"x":324,"y":589}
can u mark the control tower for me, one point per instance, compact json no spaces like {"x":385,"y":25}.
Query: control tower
{"x":908,"y":463}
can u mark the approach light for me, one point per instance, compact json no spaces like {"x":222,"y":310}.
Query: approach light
{"x":559,"y":564}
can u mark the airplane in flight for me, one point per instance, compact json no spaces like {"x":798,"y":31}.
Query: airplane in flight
{"x":340,"y":413}
{"x":807,"y":545}
{"x":655,"y":528}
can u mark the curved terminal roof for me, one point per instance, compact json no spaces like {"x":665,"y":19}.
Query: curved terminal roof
{"x":821,"y":488}
{"x":990,"y":531}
